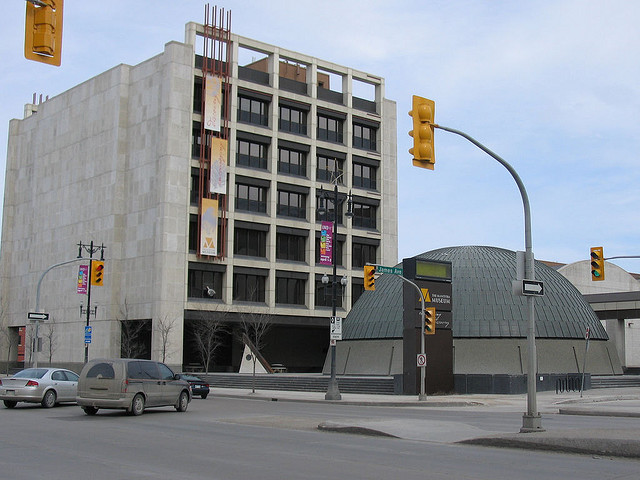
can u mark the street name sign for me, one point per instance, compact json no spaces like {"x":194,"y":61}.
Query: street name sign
{"x":391,"y":270}
{"x":532,"y":287}
{"x":38,"y":316}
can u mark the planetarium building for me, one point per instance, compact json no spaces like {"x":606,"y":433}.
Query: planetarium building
{"x":480,"y":342}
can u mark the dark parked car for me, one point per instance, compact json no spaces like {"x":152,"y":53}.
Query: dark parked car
{"x":198,"y":386}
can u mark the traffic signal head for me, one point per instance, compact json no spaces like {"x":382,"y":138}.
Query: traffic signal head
{"x":369,"y":277}
{"x":97,"y":273}
{"x":429,"y":321}
{"x":423,"y":114}
{"x":43,"y":32}
{"x":597,"y":264}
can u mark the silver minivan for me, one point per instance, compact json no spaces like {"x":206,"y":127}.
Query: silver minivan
{"x":130,"y":384}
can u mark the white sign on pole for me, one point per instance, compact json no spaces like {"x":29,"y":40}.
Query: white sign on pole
{"x":422,"y":360}
{"x":336,"y":328}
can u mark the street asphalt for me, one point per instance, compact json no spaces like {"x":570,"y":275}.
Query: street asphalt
{"x":611,"y":402}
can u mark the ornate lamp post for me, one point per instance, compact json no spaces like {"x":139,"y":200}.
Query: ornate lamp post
{"x":333,"y":393}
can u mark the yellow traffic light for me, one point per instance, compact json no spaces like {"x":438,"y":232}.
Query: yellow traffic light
{"x":369,"y":277}
{"x":597,"y":264}
{"x":423,"y":113}
{"x":43,"y":31}
{"x":429,"y":321}
{"x":97,"y":273}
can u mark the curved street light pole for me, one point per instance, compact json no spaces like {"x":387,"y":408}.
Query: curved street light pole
{"x":531,"y":421}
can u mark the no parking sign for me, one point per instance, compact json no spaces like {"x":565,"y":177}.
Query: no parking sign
{"x":422,"y":360}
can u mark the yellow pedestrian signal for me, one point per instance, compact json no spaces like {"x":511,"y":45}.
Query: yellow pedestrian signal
{"x":423,"y":114}
{"x":369,"y":277}
{"x":97,"y":273}
{"x":429,"y":321}
{"x":597,"y":264}
{"x":43,"y":32}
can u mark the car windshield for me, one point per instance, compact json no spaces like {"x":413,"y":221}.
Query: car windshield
{"x":192,"y":378}
{"x":31,"y":373}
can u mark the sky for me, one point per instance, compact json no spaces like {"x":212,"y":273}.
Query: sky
{"x":551,"y":86}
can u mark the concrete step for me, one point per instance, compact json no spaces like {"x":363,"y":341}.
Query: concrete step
{"x":615,"y":381}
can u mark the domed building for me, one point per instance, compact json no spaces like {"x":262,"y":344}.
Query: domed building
{"x":487,"y":326}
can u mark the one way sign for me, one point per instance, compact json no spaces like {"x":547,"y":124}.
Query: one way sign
{"x":532,"y":287}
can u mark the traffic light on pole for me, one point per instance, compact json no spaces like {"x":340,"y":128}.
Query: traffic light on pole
{"x":369,"y":277}
{"x":97,"y":273}
{"x":429,"y":321}
{"x":43,"y":31}
{"x":423,"y":114}
{"x":597,"y":264}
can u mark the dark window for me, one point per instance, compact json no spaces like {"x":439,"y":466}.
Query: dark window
{"x":290,"y":291}
{"x":364,"y":176}
{"x":357,"y":289}
{"x":364,"y":137}
{"x":328,"y":215}
{"x":251,"y":198}
{"x":248,"y":288}
{"x":195,"y":186}
{"x":364,"y":215}
{"x":290,"y":247}
{"x":339,"y":246}
{"x":291,"y":204}
{"x":203,"y":282}
{"x":363,"y":254}
{"x":104,"y":370}
{"x":292,"y":120}
{"x":324,"y":293}
{"x":165,"y":372}
{"x":143,"y":370}
{"x":252,"y":243}
{"x":330,"y":129}
{"x":196,"y":140}
{"x":251,"y":154}
{"x":329,"y":169}
{"x":292,"y":162}
{"x":253,"y":111}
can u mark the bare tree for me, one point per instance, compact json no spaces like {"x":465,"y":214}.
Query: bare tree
{"x":254,"y":327}
{"x":164,"y":327}
{"x":6,"y":343}
{"x":131,"y":330}
{"x":207,"y":336}
{"x":51,"y":338}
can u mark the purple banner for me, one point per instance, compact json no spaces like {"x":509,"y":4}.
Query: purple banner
{"x":326,"y":243}
{"x":83,"y":279}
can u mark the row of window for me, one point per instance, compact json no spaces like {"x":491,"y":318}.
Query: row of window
{"x":289,"y":246}
{"x":255,"y":110}
{"x":254,"y":154}
{"x":251,"y":287}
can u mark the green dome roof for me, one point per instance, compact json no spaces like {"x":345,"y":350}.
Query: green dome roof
{"x":483,"y":303}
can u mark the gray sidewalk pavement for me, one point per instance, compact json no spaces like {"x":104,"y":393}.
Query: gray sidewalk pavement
{"x":613,"y":402}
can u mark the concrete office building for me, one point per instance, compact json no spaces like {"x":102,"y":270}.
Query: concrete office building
{"x":117,"y":160}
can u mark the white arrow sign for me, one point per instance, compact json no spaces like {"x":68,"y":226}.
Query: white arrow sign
{"x":532,"y":287}
{"x":38,"y":316}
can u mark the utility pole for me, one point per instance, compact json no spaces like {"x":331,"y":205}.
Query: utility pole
{"x":90,"y":249}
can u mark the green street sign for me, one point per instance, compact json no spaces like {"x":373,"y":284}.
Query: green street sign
{"x":391,"y":270}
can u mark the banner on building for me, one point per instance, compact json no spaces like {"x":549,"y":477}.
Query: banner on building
{"x":218,"y":177}
{"x":83,"y":279}
{"x":209,"y":227}
{"x":212,"y":103}
{"x":326,"y":243}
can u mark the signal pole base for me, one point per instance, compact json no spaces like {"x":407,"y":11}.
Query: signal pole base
{"x":531,"y":423}
{"x":332,"y":392}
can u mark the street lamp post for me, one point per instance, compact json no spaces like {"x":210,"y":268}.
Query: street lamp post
{"x":90,"y":249}
{"x":333,"y":393}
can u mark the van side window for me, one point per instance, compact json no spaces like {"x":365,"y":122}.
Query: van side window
{"x":165,"y":372}
{"x":149,"y":370}
{"x":105,"y":370}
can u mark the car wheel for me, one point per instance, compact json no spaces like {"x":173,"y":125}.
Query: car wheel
{"x":90,"y":410}
{"x":10,"y":403}
{"x":137,"y":405}
{"x":183,"y":402}
{"x":49,"y":399}
{"x":204,"y":395}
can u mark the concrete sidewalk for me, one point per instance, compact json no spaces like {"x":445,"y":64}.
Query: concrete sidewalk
{"x":618,"y":402}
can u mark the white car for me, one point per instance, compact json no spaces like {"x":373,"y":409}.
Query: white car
{"x":47,"y":386}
